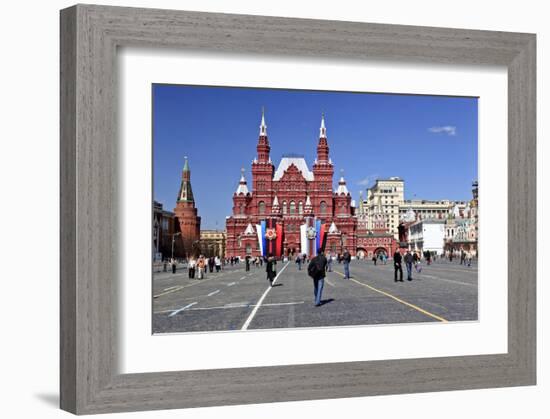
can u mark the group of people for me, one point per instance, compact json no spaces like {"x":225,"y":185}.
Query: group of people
{"x":202,"y":265}
{"x":382,"y":257}
{"x":411,"y":260}
{"x":257,"y":261}
{"x":466,"y":257}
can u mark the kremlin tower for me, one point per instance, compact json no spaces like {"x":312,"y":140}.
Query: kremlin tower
{"x":186,"y":212}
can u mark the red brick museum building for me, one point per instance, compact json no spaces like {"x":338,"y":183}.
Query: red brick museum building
{"x":291,"y":209}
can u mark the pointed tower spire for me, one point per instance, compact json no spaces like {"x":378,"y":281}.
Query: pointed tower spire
{"x":185,"y":192}
{"x":263,"y":126}
{"x":323,"y":130}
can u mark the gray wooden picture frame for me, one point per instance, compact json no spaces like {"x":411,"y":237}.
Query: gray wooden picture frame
{"x":90,"y":36}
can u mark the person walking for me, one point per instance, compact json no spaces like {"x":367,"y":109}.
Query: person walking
{"x":218,"y":263}
{"x":408,"y":263}
{"x":299,"y":262}
{"x":346,"y":259}
{"x":316,"y":270}
{"x":270,"y":269}
{"x":201,"y":265}
{"x":174,"y":264}
{"x":329,"y":262}
{"x":191,"y":267}
{"x":416,"y":263}
{"x":469,"y":258}
{"x":374,"y":259}
{"x":397,"y":266}
{"x":247,"y":263}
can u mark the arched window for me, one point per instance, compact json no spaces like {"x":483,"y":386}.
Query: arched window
{"x":300,"y":207}
{"x":261,"y":207}
{"x":292,"y":208}
{"x":323,"y":207}
{"x":284,"y":207}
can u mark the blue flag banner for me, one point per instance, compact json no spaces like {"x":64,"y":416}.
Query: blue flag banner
{"x":264,"y":244}
{"x":317,"y":235}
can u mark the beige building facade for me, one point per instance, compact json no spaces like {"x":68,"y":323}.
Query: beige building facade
{"x":212,"y":242}
{"x":385,"y":196}
{"x":388,"y":197}
{"x":426,"y":210}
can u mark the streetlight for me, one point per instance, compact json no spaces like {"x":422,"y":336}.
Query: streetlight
{"x":173,"y":241}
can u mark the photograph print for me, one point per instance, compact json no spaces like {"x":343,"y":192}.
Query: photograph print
{"x":280,"y":208}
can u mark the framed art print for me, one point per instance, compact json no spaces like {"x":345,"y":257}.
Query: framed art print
{"x":245,"y":190}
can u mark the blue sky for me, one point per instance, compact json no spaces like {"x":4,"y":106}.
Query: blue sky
{"x":429,"y":141}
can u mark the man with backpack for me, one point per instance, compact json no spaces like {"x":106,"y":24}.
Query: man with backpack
{"x":316,"y":270}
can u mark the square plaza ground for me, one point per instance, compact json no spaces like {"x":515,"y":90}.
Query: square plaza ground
{"x":235,"y":299}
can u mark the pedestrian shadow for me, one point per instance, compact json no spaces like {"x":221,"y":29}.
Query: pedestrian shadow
{"x":276,"y":285}
{"x":330,"y":300}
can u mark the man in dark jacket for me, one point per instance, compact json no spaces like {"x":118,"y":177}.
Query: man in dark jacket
{"x":397,"y":266}
{"x":270,"y":269}
{"x":346,"y":259}
{"x":316,"y":270}
{"x":408,"y":264}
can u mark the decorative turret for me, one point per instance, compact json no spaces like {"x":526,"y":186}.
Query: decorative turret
{"x":249,"y":230}
{"x":308,"y":208}
{"x":342,"y":188}
{"x":275,"y":209}
{"x":242,"y":188}
{"x":241,"y":197}
{"x":333,"y":229}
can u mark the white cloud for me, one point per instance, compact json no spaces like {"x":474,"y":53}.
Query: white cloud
{"x":447,"y":129}
{"x":368,"y":180}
